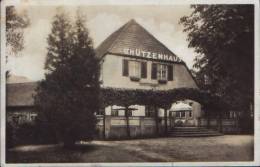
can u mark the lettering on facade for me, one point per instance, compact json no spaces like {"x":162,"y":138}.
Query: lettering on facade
{"x":151,"y":55}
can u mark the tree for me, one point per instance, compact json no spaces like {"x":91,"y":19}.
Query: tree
{"x":15,"y":24}
{"x":69,"y":95}
{"x":223,"y":37}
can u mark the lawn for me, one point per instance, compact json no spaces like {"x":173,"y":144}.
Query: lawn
{"x":220,"y":148}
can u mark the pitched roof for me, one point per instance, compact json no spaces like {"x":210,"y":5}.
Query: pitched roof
{"x":20,"y":94}
{"x":131,"y":35}
{"x":181,"y":107}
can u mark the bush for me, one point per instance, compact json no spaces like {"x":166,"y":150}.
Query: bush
{"x":9,"y":135}
{"x":246,"y":124}
{"x":29,"y":133}
{"x":179,"y":123}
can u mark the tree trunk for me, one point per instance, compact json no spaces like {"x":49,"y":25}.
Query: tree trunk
{"x":220,"y":121}
{"x":208,"y":120}
{"x":104,"y":125}
{"x":69,"y":143}
{"x":165,"y":121}
{"x":156,"y":121}
{"x":127,"y":122}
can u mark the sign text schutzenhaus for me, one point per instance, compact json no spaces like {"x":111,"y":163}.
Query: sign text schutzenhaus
{"x":151,"y":55}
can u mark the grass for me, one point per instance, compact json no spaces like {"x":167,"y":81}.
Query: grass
{"x":221,"y":148}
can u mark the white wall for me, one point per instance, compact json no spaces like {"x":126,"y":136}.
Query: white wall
{"x":112,"y":76}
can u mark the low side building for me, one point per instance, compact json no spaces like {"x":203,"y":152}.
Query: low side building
{"x":20,"y":102}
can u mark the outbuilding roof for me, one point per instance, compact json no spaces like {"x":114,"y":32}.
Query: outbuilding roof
{"x":20,"y":94}
{"x":181,"y":107}
{"x":131,"y":35}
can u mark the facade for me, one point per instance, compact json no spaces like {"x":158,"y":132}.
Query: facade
{"x":130,"y":58}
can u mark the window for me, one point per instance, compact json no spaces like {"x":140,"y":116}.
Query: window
{"x":162,"y":72}
{"x":16,"y":119}
{"x":33,"y":117}
{"x":149,"y":111}
{"x":114,"y":112}
{"x":182,"y":114}
{"x":130,"y":113}
{"x":135,"y":69}
{"x":178,"y":114}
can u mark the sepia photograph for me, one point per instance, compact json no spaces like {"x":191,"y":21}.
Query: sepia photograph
{"x":137,"y":83}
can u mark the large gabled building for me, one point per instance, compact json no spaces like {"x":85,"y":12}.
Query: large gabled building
{"x":132,"y":58}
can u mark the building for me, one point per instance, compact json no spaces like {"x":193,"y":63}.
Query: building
{"x":132,"y":58}
{"x":20,"y":102}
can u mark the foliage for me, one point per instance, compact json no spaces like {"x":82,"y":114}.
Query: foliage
{"x":223,"y":37}
{"x":68,"y":97}
{"x":28,"y":133}
{"x":9,"y":135}
{"x":15,"y":24}
{"x":161,"y":98}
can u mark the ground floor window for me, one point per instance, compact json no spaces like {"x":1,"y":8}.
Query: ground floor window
{"x":114,"y":112}
{"x":180,"y":114}
{"x":150,"y":111}
{"x":130,"y":113}
{"x":33,"y":117}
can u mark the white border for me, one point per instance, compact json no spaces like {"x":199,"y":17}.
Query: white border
{"x":256,"y":161}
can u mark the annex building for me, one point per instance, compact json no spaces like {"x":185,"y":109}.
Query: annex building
{"x":131,"y":58}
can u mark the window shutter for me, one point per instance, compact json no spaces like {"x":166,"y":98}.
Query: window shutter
{"x":170,"y":73}
{"x":154,"y":71}
{"x":125,"y":67}
{"x":143,"y":70}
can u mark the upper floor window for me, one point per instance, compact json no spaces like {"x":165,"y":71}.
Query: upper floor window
{"x":162,"y":72}
{"x":136,"y":69}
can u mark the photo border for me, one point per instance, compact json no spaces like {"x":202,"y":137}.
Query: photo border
{"x":135,"y":2}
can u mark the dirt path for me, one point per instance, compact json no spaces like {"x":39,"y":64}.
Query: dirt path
{"x":146,"y":155}
{"x":221,"y":148}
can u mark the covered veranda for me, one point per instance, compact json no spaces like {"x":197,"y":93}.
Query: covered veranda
{"x":128,"y":126}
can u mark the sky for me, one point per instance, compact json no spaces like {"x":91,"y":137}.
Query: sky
{"x":161,"y":21}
